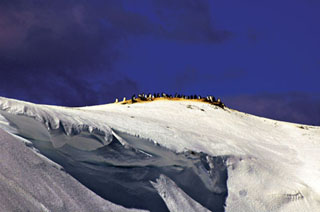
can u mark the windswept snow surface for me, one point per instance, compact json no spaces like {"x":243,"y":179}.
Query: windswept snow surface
{"x":29,"y":182}
{"x":166,"y":155}
{"x":174,"y":197}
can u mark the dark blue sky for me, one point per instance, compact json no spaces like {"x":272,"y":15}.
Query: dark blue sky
{"x":261,"y":57}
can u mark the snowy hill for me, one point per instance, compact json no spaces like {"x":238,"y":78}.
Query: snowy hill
{"x":155,"y":156}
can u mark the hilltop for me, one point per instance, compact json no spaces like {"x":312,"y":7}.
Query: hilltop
{"x":181,"y":155}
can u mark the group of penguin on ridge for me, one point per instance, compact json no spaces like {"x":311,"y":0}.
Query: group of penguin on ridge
{"x":150,"y":97}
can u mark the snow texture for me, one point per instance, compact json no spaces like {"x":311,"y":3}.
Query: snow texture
{"x":31,"y":183}
{"x":175,"y":198}
{"x":247,"y":163}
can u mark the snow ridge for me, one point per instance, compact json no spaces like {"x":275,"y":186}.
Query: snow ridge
{"x":48,"y":126}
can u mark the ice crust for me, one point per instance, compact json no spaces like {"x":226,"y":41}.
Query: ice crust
{"x":271,"y":165}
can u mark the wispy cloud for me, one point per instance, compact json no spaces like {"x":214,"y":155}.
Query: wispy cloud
{"x":293,"y":107}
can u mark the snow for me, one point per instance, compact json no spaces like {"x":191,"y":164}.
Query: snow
{"x":174,"y":197}
{"x":34,"y":122}
{"x":271,"y":165}
{"x":30,"y":183}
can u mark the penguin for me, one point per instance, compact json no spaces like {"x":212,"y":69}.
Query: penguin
{"x":133,"y":98}
{"x":141,"y":96}
{"x":116,"y":101}
{"x":124,"y":99}
{"x":164,"y":95}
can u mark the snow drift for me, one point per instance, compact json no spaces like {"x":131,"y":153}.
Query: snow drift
{"x":160,"y":156}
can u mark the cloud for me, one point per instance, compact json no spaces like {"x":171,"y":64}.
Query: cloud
{"x":48,"y":49}
{"x":65,"y":51}
{"x":189,"y":20}
{"x":293,"y":107}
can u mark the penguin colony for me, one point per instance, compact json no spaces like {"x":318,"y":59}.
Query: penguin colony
{"x":158,"y":96}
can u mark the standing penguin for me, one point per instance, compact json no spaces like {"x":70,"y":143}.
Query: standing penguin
{"x":133,"y":98}
{"x":141,"y":96}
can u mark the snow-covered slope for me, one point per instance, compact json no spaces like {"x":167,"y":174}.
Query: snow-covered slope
{"x":165,"y":155}
{"x":29,"y":182}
